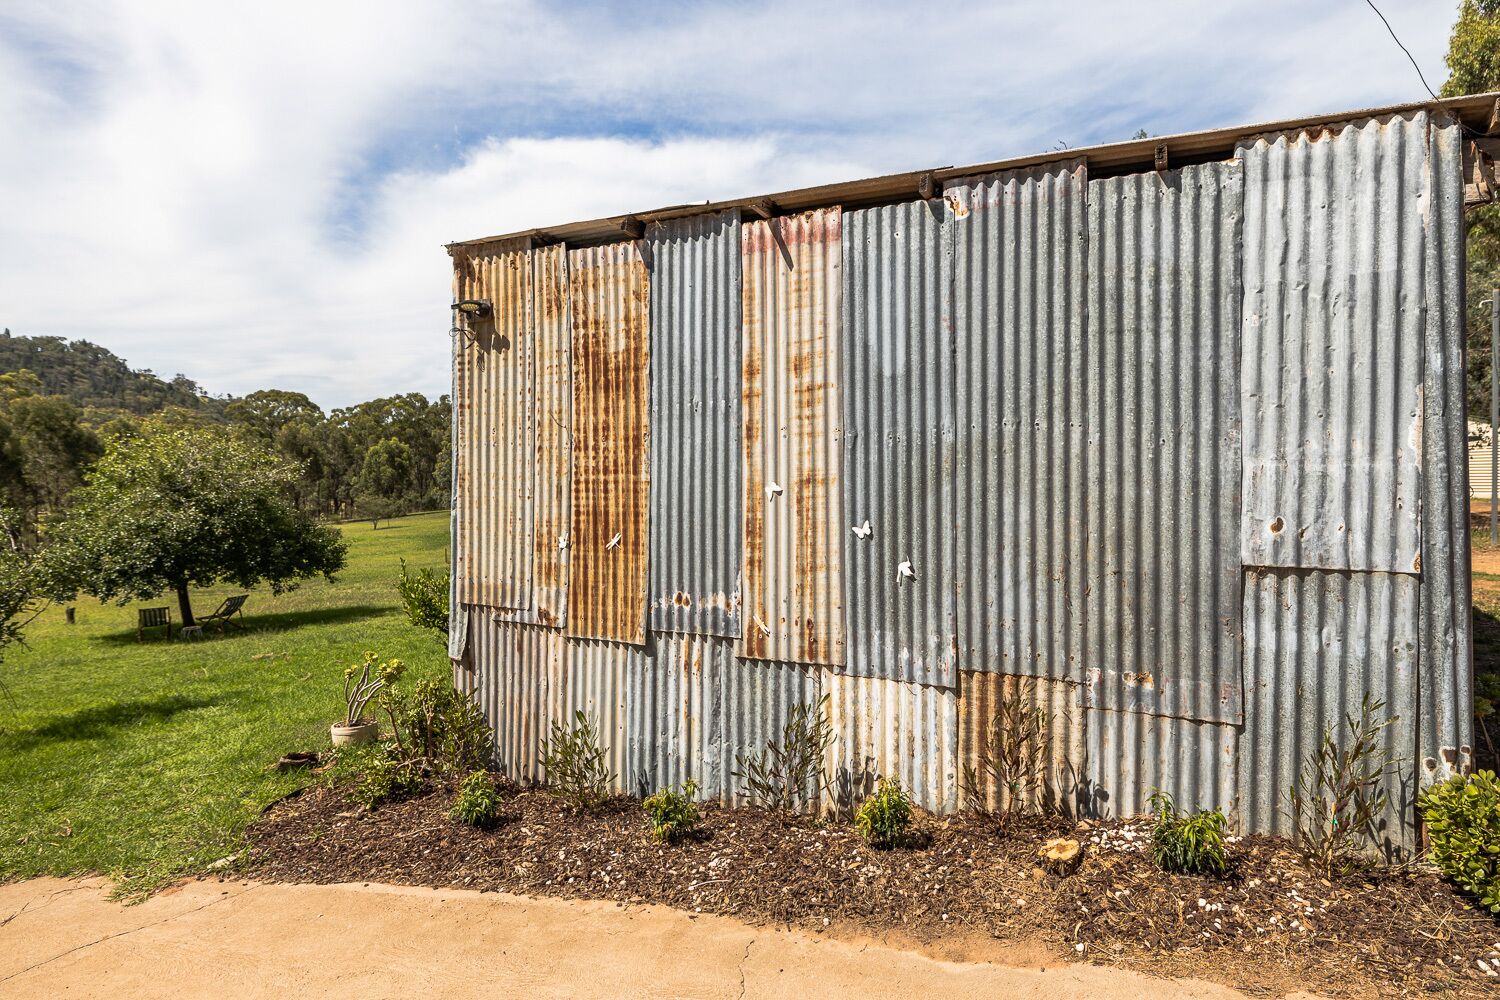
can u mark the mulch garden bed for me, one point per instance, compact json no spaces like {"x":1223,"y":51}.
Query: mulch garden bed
{"x":1270,"y":927}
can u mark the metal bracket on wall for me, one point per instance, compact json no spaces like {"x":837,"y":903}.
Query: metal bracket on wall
{"x":763,"y":208}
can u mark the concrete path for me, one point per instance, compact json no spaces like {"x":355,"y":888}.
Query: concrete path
{"x":236,"y":939}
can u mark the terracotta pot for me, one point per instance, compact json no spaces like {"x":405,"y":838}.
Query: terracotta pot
{"x":353,"y":736}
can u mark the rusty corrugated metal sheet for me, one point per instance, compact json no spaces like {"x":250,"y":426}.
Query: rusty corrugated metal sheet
{"x":697,"y":496}
{"x":981,"y":695}
{"x":676,"y":714}
{"x":1161,"y":620}
{"x":900,"y":447}
{"x":1316,"y":642}
{"x":553,"y":460}
{"x":794,"y":521}
{"x":889,"y":728}
{"x":496,"y":427}
{"x":1446,"y":679}
{"x":757,"y":698}
{"x":1333,"y":343}
{"x":609,"y":299}
{"x":1131,"y":755}
{"x":597,"y":680}
{"x":1019,"y":308}
{"x":516,"y":676}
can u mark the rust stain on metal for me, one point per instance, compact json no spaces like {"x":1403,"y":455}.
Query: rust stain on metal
{"x":1061,"y":705}
{"x":494,"y":398}
{"x":792,"y":438}
{"x":609,"y":297}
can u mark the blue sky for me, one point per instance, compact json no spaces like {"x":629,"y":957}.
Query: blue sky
{"x":258,"y":196}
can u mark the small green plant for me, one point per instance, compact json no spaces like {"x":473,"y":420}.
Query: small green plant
{"x":575,"y":765}
{"x":788,"y":773}
{"x":424,"y":597}
{"x":379,"y":772}
{"x":477,"y":803}
{"x":882,"y":818}
{"x":1338,"y":795}
{"x":438,"y":723}
{"x":673,"y":813}
{"x":1188,"y":843}
{"x":1012,"y":759}
{"x":363,"y":681}
{"x":1463,"y":825}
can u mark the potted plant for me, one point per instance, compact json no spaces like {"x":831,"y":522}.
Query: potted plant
{"x":362,"y":682}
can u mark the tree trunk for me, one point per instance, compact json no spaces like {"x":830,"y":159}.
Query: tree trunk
{"x":185,"y":604}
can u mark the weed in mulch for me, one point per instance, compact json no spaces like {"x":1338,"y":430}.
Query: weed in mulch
{"x":1270,"y":923}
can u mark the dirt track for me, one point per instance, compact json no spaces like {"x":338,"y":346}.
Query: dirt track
{"x":208,"y":938}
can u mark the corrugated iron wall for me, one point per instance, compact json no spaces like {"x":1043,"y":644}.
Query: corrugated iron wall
{"x":1076,"y":408}
{"x":697,"y":505}
{"x":900,"y":448}
{"x":1019,"y":297}
{"x":1161,"y":618}
{"x":493,"y":398}
{"x":609,"y":298}
{"x":794,"y":519}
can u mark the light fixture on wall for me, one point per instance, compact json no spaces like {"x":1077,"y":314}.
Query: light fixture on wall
{"x":473,"y":308}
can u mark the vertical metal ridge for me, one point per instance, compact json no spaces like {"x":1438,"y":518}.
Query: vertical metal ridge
{"x":496,"y":431}
{"x":900,"y":448}
{"x":889,"y":728}
{"x":519,"y":684}
{"x":1131,"y":754}
{"x":611,"y":479}
{"x":793,"y":585}
{"x":1162,"y":611}
{"x":1063,"y":781}
{"x":697,"y":497}
{"x":1335,"y":300}
{"x":1020,"y":317}
{"x":1446,"y":680}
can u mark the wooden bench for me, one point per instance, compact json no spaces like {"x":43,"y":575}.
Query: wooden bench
{"x":153,"y":618}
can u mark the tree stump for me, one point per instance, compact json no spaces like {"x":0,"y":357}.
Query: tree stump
{"x":1061,"y":855}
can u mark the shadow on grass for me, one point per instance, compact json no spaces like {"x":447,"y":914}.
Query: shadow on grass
{"x":98,"y":721}
{"x":258,"y":623}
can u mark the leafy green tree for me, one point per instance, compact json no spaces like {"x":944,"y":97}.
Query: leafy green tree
{"x":20,"y":600}
{"x":1474,"y":68}
{"x":172,"y":508}
{"x":267,"y":411}
{"x":384,"y":478}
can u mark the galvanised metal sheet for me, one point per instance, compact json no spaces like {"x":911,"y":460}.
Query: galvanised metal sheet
{"x":1335,"y":305}
{"x":1316,"y":642}
{"x":1446,"y":660}
{"x":792,"y":411}
{"x":900,"y":445}
{"x":1019,"y":324}
{"x":757,"y":697}
{"x":889,"y":728}
{"x":598,"y":680}
{"x":981,"y":698}
{"x":553,"y":406}
{"x":674,"y":704}
{"x":515,"y":674}
{"x":493,"y":399}
{"x":611,"y":478}
{"x":697,"y":496}
{"x":1161,"y":617}
{"x":1131,"y":755}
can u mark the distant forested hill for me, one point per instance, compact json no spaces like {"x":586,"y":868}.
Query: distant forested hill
{"x":91,"y":377}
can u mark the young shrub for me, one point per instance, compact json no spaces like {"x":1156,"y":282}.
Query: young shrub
{"x":1189,"y":844}
{"x":1463,"y":825}
{"x":424,"y":597}
{"x":882,"y":818}
{"x":477,"y":803}
{"x":1337,"y":796}
{"x":673,"y":814}
{"x":379,"y":772}
{"x":439,"y":724}
{"x":576,"y":769}
{"x":1012,"y":759}
{"x":788,"y":774}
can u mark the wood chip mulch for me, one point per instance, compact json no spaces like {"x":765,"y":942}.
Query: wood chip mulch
{"x":1271,"y":926}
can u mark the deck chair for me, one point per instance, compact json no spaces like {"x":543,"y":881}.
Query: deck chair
{"x":226,"y":612}
{"x":152,"y":618}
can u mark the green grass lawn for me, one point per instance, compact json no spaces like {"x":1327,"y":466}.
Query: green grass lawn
{"x":146,"y":760}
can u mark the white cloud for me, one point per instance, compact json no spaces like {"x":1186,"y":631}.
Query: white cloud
{"x":258,"y":196}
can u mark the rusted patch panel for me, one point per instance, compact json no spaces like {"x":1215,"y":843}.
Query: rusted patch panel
{"x":553,"y":458}
{"x":493,"y":397}
{"x":1060,"y":704}
{"x":611,"y":481}
{"x":792,"y":412}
